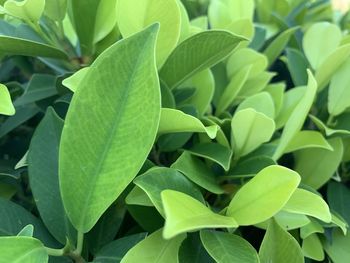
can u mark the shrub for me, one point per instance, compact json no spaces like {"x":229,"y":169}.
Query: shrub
{"x":169,"y":131}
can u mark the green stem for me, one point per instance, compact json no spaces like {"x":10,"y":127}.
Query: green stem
{"x":55,"y":252}
{"x":80,"y":243}
{"x":330,"y":120}
{"x":61,"y":29}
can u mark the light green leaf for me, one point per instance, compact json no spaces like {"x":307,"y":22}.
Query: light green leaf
{"x":106,"y":19}
{"x":307,"y":139}
{"x":138,"y":197}
{"x":73,"y":81}
{"x":134,"y":15}
{"x":228,"y":248}
{"x":312,"y":248}
{"x":276,"y":91}
{"x":56,"y":9}
{"x":88,"y":151}
{"x":308,"y":203}
{"x":22,"y":249}
{"x":311,"y":228}
{"x":340,"y":222}
{"x":155,"y":249}
{"x":264,"y":195}
{"x":338,"y":248}
{"x":279,"y":246}
{"x":250,"y":129}
{"x":339,"y":91}
{"x":184,"y":213}
{"x":325,"y":129}
{"x":155,"y":180}
{"x":174,"y":121}
{"x":28,"y":10}
{"x":6,"y":106}
{"x":261,"y":102}
{"x":316,"y":171}
{"x":287,"y":221}
{"x":27,"y":231}
{"x":190,"y":57}
{"x":197,"y":172}
{"x":297,"y":118}
{"x":316,"y":47}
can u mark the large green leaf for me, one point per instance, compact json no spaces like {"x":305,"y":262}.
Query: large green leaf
{"x":22,"y":249}
{"x":184,"y":213}
{"x":197,"y":53}
{"x":250,"y":129}
{"x":134,"y":15}
{"x":228,"y":248}
{"x":308,"y":203}
{"x":6,"y":106}
{"x":155,"y":249}
{"x":279,"y":246}
{"x":43,"y":176}
{"x":253,"y":203}
{"x":297,"y":118}
{"x":112,"y":152}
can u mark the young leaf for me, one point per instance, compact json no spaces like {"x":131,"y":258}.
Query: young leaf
{"x":27,"y":231}
{"x":89,"y":151}
{"x":308,"y":139}
{"x":264,"y":195}
{"x":250,"y":129}
{"x":155,"y":249}
{"x":6,"y":106}
{"x":228,"y":248}
{"x":27,"y":10}
{"x":56,"y":9}
{"x":190,"y":57}
{"x":279,"y":246}
{"x":184,"y":213}
{"x":134,"y":15}
{"x":106,"y":19}
{"x":22,"y":249}
{"x":261,"y":102}
{"x":74,"y":81}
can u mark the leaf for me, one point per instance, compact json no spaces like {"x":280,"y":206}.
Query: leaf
{"x":43,"y":176}
{"x":197,"y":172}
{"x":88,"y":151}
{"x":337,"y":197}
{"x":260,"y":102}
{"x":74,"y":81}
{"x":253,"y":204}
{"x":27,"y":231}
{"x":311,"y":228}
{"x":250,"y":166}
{"x":184,"y":213}
{"x":308,"y":139}
{"x":214,"y":152}
{"x":106,"y":19}
{"x":326,"y":130}
{"x":116,"y":250}
{"x":192,"y":250}
{"x":155,"y":249}
{"x":6,"y":106}
{"x":308,"y":203}
{"x":338,"y":248}
{"x":56,"y":9}
{"x":155,"y":180}
{"x":297,"y":118}
{"x":22,"y":249}
{"x":317,"y":48}
{"x":228,"y":248}
{"x":338,"y":90}
{"x":189,"y":57}
{"x":316,"y":171}
{"x":279,"y":246}
{"x":312,"y":248}
{"x":287,"y":221}
{"x":134,"y":15}
{"x":297,"y":65}
{"x":28,"y":10}
{"x":174,"y":121}
{"x":250,"y":129}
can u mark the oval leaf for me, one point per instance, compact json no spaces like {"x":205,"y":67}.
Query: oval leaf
{"x":6,"y":106}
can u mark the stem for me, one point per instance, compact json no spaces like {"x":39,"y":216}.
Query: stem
{"x":80,"y":243}
{"x":55,"y":252}
{"x":330,"y":120}
{"x":61,"y":29}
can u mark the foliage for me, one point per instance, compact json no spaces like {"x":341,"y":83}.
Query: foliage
{"x":174,"y":131}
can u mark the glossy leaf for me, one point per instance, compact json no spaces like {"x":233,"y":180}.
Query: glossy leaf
{"x":261,"y":102}
{"x":253,"y":203}
{"x":308,"y":139}
{"x":6,"y":106}
{"x":95,"y":160}
{"x":184,"y":213}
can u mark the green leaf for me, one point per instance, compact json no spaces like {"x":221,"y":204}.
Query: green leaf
{"x":192,"y":250}
{"x":316,"y":171}
{"x":287,"y":221}
{"x":308,"y":203}
{"x":311,"y":228}
{"x":155,"y":249}
{"x":74,"y":81}
{"x":43,"y":176}
{"x":250,"y":129}
{"x":184,"y":213}
{"x":307,"y":139}
{"x":261,"y":102}
{"x":22,"y":249}
{"x":174,"y":121}
{"x":297,"y":118}
{"x":326,"y":130}
{"x":279,"y":246}
{"x":253,"y":204}
{"x":197,"y":172}
{"x":134,"y":15}
{"x":155,"y":180}
{"x":338,"y":195}
{"x":228,"y":248}
{"x":276,"y":91}
{"x":93,"y":163}
{"x":316,"y":47}
{"x":116,"y":250}
{"x":27,"y":231}
{"x":56,"y":9}
{"x":6,"y":106}
{"x":338,"y":248}
{"x":189,"y":57}
{"x":27,"y":10}
{"x":312,"y":248}
{"x":338,"y":90}
{"x":297,"y":65}
{"x":106,"y":19}
{"x":250,"y":166}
